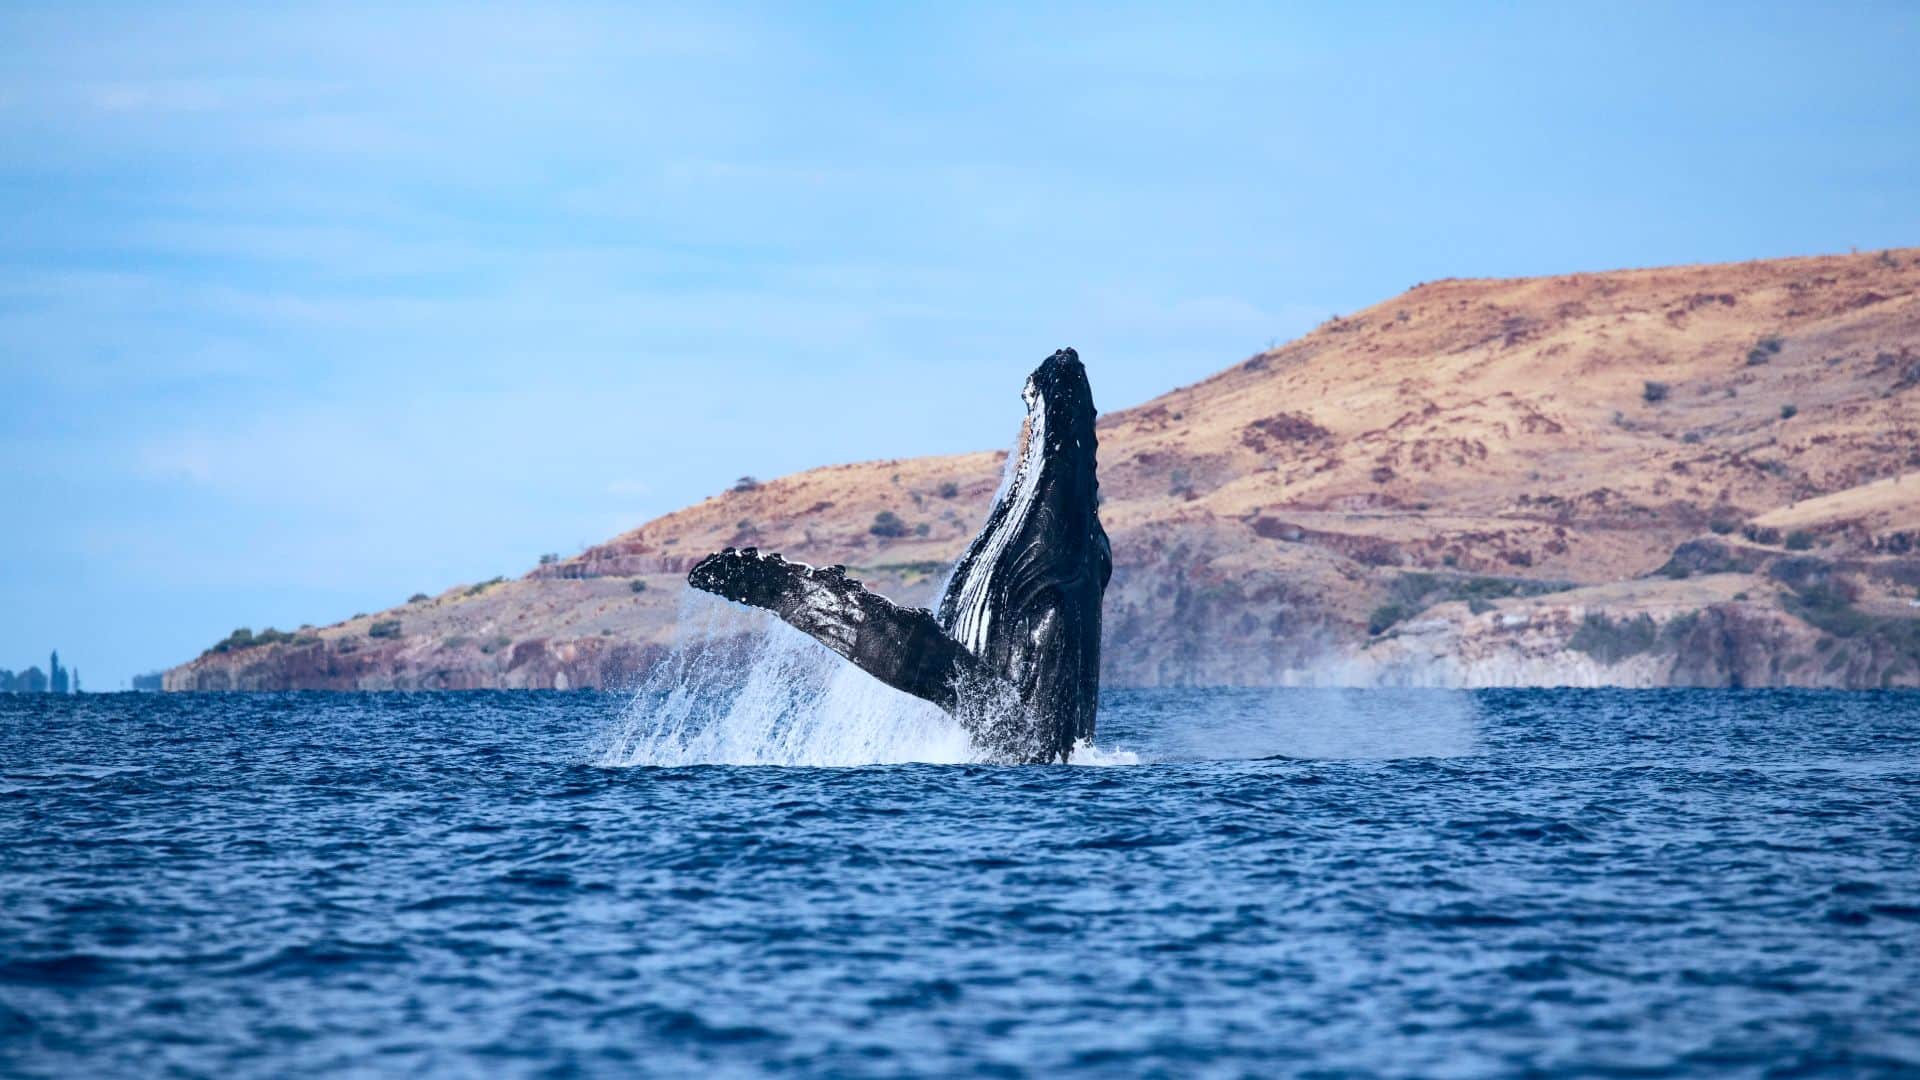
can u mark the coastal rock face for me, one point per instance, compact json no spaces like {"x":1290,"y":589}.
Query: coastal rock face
{"x":1686,"y":476}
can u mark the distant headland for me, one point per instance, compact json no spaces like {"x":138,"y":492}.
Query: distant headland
{"x":1686,"y":476}
{"x":55,"y":680}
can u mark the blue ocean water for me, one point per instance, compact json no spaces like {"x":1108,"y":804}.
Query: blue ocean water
{"x":1285,"y":882}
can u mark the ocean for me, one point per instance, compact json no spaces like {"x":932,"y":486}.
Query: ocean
{"x":1229,"y":883}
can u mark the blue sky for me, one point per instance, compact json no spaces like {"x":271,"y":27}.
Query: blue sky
{"x":305,"y":310}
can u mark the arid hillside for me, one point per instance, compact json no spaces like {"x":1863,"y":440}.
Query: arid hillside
{"x":1703,"y":475}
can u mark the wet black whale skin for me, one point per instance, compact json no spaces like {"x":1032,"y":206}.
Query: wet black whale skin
{"x":1045,"y":588}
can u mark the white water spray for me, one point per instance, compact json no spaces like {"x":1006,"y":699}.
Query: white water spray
{"x":741,"y":688}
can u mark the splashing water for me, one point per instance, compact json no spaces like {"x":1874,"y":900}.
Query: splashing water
{"x":1085,"y":753}
{"x":741,"y":688}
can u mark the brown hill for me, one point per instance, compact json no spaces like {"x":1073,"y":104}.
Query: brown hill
{"x":1699,"y":475}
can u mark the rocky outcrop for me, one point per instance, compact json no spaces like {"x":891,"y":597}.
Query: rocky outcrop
{"x":1684,"y":476}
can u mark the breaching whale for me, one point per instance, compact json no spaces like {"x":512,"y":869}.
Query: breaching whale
{"x":1013,"y":649}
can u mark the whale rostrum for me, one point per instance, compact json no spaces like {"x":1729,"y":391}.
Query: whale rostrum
{"x":1013,"y":648}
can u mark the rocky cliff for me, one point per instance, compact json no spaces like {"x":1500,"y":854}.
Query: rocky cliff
{"x":1699,"y":475}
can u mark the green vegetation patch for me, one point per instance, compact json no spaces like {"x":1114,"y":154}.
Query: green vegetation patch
{"x":244,"y":638}
{"x":1764,"y":351}
{"x":1426,"y":589}
{"x":1385,"y":616}
{"x":476,"y":590}
{"x":1412,"y":593}
{"x":1827,"y":604}
{"x":1705,"y":556}
{"x":1611,"y":640}
{"x":384,"y":628}
{"x":1829,"y":609}
{"x":886,"y":523}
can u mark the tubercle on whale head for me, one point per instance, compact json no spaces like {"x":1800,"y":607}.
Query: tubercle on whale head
{"x":1060,"y":407}
{"x":1060,"y":404}
{"x":1060,"y":385}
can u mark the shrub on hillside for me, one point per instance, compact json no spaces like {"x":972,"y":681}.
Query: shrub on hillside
{"x":886,"y":523}
{"x":1654,"y":392}
{"x":1763,"y":351}
{"x":385,"y":628}
{"x":949,"y":490}
{"x":244,"y":638}
{"x":636,"y":585}
{"x":1788,"y":412}
{"x":1384,"y":617}
{"x":1611,"y":642}
{"x":239,"y":639}
{"x":1799,"y":540}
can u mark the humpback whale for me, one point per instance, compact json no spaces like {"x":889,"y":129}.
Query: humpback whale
{"x":1013,"y":648}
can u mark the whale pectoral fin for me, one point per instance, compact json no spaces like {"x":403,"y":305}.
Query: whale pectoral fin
{"x":902,"y":647}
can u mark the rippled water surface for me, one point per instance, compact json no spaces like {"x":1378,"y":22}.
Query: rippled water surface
{"x":1693,"y":882}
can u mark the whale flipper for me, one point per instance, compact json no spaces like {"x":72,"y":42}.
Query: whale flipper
{"x":901,"y":646}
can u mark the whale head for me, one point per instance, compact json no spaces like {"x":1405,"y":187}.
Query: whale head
{"x":1026,"y":596}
